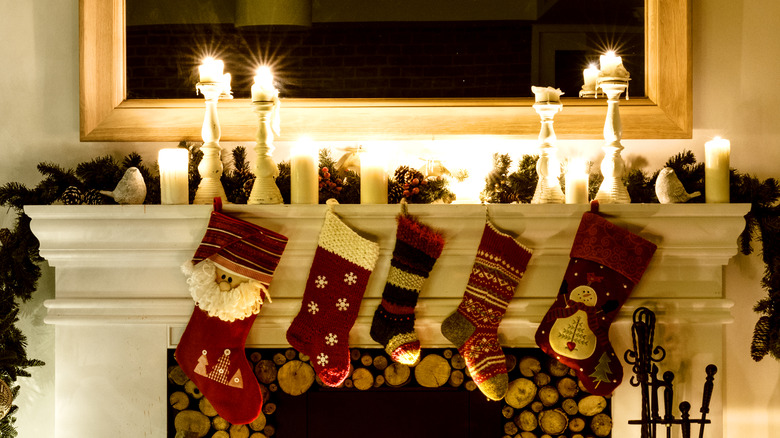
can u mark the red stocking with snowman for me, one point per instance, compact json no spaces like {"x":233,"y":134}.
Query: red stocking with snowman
{"x":606,"y":263}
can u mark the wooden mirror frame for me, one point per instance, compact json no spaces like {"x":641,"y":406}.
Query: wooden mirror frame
{"x":106,"y":114}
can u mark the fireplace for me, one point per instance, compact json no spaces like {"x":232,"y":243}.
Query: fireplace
{"x":121,"y":301}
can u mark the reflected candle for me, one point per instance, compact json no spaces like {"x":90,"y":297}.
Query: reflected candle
{"x":304,"y":185}
{"x":576,"y":183}
{"x":590,"y":75}
{"x":211,"y":70}
{"x":716,"y":170}
{"x":174,"y":172}
{"x":373,"y":179}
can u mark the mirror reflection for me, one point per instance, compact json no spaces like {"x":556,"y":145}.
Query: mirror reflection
{"x":381,"y":48}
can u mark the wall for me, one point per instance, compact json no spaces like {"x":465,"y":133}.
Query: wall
{"x":736,"y":66}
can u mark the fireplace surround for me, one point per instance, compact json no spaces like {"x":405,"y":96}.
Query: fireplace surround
{"x":121,"y":301}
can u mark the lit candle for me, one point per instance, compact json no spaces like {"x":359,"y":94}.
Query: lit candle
{"x":716,"y":170}
{"x":611,"y":65}
{"x":174,"y":171}
{"x":547,"y":94}
{"x":211,"y":70}
{"x":577,"y":182}
{"x":373,"y":179}
{"x":304,"y":186}
{"x":590,"y":75}
{"x":263,"y":89}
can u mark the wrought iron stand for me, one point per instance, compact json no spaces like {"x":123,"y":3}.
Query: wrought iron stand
{"x":646,"y":377}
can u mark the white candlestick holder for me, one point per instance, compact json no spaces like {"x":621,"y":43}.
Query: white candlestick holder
{"x":612,"y":189}
{"x":264,"y":189}
{"x":548,"y":188}
{"x":210,"y":167}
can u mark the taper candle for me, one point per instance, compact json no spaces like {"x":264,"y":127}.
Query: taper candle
{"x":590,"y":75}
{"x":174,"y":171}
{"x":373,"y":178}
{"x":263,"y":89}
{"x":576,"y":182}
{"x":304,"y":186}
{"x":716,"y":170}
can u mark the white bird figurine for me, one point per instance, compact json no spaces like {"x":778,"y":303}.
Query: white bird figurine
{"x":131,"y":189}
{"x":669,"y":189}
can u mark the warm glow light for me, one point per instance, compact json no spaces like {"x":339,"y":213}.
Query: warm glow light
{"x":264,"y":77}
{"x":263,"y":89}
{"x":211,"y":70}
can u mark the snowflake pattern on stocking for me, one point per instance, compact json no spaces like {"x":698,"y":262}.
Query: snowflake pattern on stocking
{"x":322,"y":359}
{"x":350,"y":278}
{"x":321,"y":282}
{"x":342,"y":304}
{"x":331,"y":339}
{"x":313,"y":307}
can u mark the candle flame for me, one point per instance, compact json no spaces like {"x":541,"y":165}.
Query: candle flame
{"x":264,"y":76}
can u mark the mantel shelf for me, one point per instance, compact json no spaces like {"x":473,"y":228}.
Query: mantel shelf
{"x":120,"y":264}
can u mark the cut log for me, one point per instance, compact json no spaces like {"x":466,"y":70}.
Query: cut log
{"x":527,"y":421}
{"x":447,"y":353}
{"x":206,"y":408}
{"x":220,"y":423}
{"x":354,"y":354}
{"x":255,"y":357}
{"x":548,"y":395}
{"x":193,"y":422}
{"x":273,"y":387}
{"x":470,"y":385}
{"x":397,"y":374}
{"x":591,"y":405}
{"x":290,"y":354}
{"x":576,"y":435}
{"x":508,"y":411}
{"x":259,"y":422}
{"x":569,"y":406}
{"x":553,"y":421}
{"x":458,"y":362}
{"x":220,"y":434}
{"x":362,"y":378}
{"x":348,"y":383}
{"x":192,"y":390}
{"x":558,"y":369}
{"x":456,"y":378}
{"x":542,"y":379}
{"x":239,"y":431}
{"x":258,"y":435}
{"x":576,"y":424}
{"x":295,"y":377}
{"x":510,"y":428}
{"x":520,"y":393}
{"x":511,"y":362}
{"x":265,"y":370}
{"x":269,"y":431}
{"x":264,"y":391}
{"x":526,"y":435}
{"x":601,"y":424}
{"x":380,"y":362}
{"x":433,"y":371}
{"x":279,"y":359}
{"x":177,"y":376}
{"x":567,"y":387}
{"x":537,"y":406}
{"x":269,"y":408}
{"x":366,"y":360}
{"x":529,"y":366}
{"x":179,"y":400}
{"x":379,"y":381}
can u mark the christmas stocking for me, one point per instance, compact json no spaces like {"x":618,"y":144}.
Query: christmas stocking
{"x":497,"y":270}
{"x":227,"y":277}
{"x":606,"y":263}
{"x":343,"y":261}
{"x":416,"y":249}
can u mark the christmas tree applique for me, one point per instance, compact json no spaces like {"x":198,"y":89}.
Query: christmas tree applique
{"x":601,"y":371}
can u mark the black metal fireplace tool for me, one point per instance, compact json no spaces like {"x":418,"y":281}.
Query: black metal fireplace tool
{"x":646,"y":377}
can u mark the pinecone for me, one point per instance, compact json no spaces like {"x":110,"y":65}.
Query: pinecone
{"x":246,"y":190}
{"x":760,"y":345}
{"x":395,"y":192}
{"x":72,"y":196}
{"x":410,"y":181}
{"x":93,"y":197}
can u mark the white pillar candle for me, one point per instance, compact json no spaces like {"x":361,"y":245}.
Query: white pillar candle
{"x":590,"y":75}
{"x":716,"y":170}
{"x":373,"y":178}
{"x":211,"y":70}
{"x":263,"y":89}
{"x":304,"y":184}
{"x":576,"y":182}
{"x":609,"y":64}
{"x":174,"y":173}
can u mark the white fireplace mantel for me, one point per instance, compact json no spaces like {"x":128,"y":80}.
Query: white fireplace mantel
{"x":121,"y":300}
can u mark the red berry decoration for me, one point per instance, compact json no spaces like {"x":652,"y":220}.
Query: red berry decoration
{"x":415,"y":191}
{"x":406,"y":193}
{"x":415,"y":181}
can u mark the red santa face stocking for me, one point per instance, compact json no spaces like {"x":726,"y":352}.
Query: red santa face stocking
{"x":606,"y":263}
{"x":334,"y":290}
{"x":228,"y":278}
{"x":473,"y":328}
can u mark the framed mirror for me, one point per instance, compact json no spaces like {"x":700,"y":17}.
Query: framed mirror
{"x":107,"y":115}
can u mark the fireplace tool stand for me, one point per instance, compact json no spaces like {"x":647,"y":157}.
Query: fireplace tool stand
{"x":646,"y":377}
